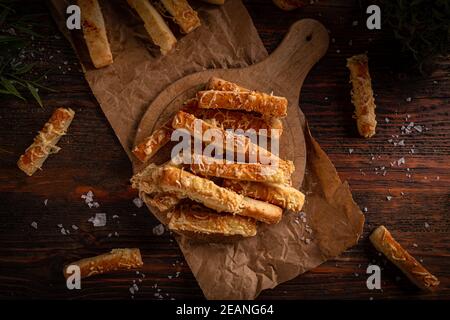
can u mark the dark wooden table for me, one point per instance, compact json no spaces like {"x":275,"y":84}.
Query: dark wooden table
{"x":92,"y":159}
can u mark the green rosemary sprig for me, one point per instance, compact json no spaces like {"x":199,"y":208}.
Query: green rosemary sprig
{"x":16,"y":34}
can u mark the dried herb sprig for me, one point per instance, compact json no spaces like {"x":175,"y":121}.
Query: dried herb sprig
{"x":16,"y":34}
{"x":422,"y":26}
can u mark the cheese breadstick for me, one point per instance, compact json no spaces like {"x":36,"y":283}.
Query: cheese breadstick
{"x":198,"y":219}
{"x":267,"y":105}
{"x":239,"y":144}
{"x":207,"y":166}
{"x":150,"y":145}
{"x":155,"y":25}
{"x":183,"y":14}
{"x":94,"y":32}
{"x":45,"y":142}
{"x":117,"y":259}
{"x":362,"y":95}
{"x":278,"y":194}
{"x":383,"y":241}
{"x":205,"y":191}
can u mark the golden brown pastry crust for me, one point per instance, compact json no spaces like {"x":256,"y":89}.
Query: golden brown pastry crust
{"x":155,"y":25}
{"x":46,"y":140}
{"x":241,"y":144}
{"x":267,"y":105}
{"x":183,"y":14}
{"x":199,"y":189}
{"x":383,"y":241}
{"x":176,"y":181}
{"x":145,"y":150}
{"x":95,"y":33}
{"x":199,"y":219}
{"x":281,"y":195}
{"x":362,"y":95}
{"x":280,"y":173}
{"x":215,"y":83}
{"x":117,"y":259}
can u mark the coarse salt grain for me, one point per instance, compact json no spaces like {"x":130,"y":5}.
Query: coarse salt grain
{"x":388,"y":198}
{"x":99,"y":220}
{"x":138,"y":202}
{"x":158,"y":230}
{"x":34,"y":224}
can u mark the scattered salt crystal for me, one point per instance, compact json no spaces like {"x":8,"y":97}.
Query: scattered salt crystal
{"x":401,"y":143}
{"x":138,"y":202}
{"x":415,"y":245}
{"x":170,"y":277}
{"x":437,"y":178}
{"x":401,"y":161}
{"x":408,"y":99}
{"x":63,"y":231}
{"x":386,"y":120}
{"x":418,"y":128}
{"x":115,"y":216}
{"x":158,"y":230}
{"x":34,"y":224}
{"x":116,"y":234}
{"x":59,"y":225}
{"x":427,"y":225}
{"x":338,"y":51}
{"x":74,"y":227}
{"x":307,"y":241}
{"x":45,"y":202}
{"x":365,"y":209}
{"x":389,"y":198}
{"x":350,"y":151}
{"x":109,"y":235}
{"x":99,"y":220}
{"x":132,"y":290}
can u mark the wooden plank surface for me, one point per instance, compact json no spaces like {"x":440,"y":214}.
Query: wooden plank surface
{"x":91,"y":158}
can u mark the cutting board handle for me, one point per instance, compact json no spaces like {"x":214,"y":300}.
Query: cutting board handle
{"x":305,"y":43}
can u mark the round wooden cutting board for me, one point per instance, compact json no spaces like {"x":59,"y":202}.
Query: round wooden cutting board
{"x":282,"y":73}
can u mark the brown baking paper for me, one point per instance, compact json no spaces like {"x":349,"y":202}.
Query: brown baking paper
{"x":227,"y":39}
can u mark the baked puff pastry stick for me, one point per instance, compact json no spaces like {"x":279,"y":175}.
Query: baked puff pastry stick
{"x":198,"y":219}
{"x":239,"y":144}
{"x":215,"y":83}
{"x":236,"y":120}
{"x":258,"y":172}
{"x":117,"y":259}
{"x":183,"y":14}
{"x":45,"y":142}
{"x":206,"y":192}
{"x":147,"y":182}
{"x":155,"y":25}
{"x":94,"y":32}
{"x":362,"y":95}
{"x":150,"y":145}
{"x":267,"y":105}
{"x":280,"y":195}
{"x":383,"y":241}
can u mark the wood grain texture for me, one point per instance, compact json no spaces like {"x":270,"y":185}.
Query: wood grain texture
{"x":92,"y":159}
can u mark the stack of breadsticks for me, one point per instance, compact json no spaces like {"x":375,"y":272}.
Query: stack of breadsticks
{"x":151,"y":13}
{"x":220,"y":197}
